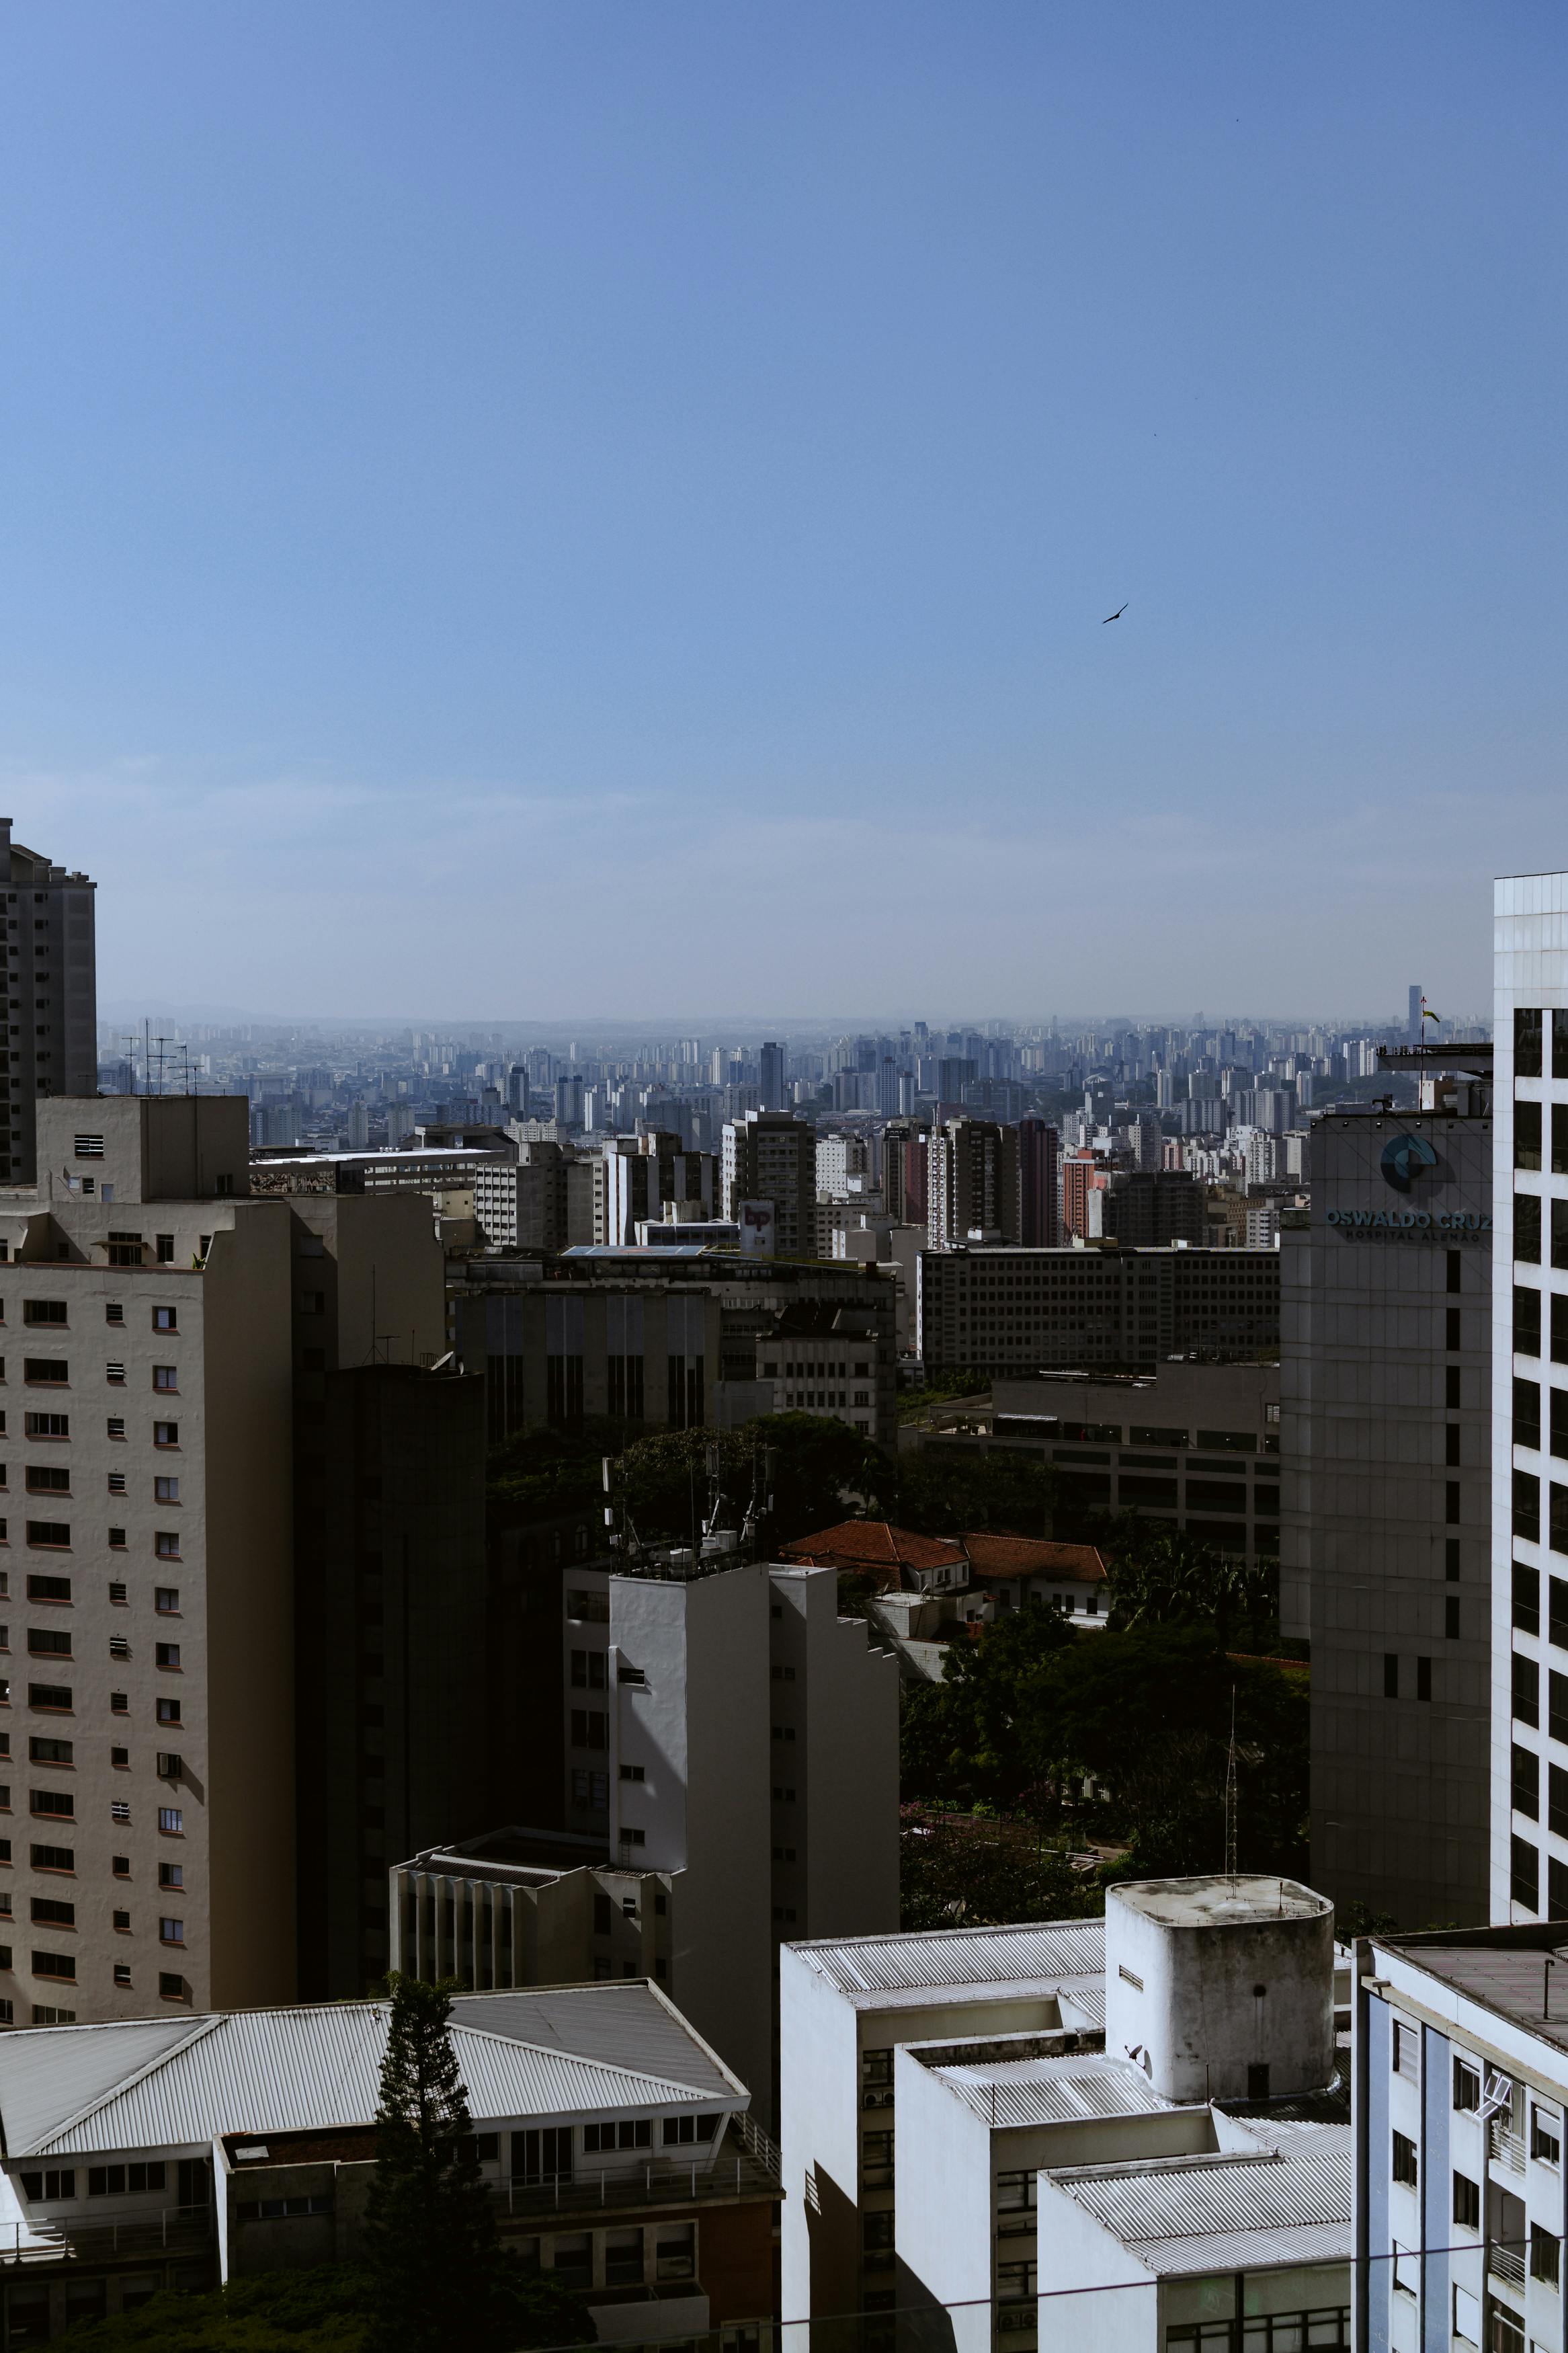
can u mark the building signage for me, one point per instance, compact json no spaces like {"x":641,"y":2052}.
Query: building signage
{"x":1446,"y":1226}
{"x":1405,"y":1157}
{"x":756,"y":1222}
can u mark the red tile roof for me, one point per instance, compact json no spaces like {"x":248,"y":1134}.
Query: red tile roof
{"x":994,"y":1556}
{"x":875,"y":1546}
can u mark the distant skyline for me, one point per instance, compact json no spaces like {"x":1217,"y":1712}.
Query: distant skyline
{"x":569,"y":509}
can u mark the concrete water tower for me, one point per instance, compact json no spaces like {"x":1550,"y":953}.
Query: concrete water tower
{"x":1221,"y":1988}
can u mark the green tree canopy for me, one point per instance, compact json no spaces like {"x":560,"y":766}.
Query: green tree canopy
{"x":961,"y":1872}
{"x":962,"y":1741}
{"x":1162,"y":1576}
{"x":953,"y":1491}
{"x":821,"y":1472}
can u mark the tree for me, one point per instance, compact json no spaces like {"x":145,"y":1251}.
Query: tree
{"x":961,"y":1740}
{"x":953,"y":1491}
{"x":437,"y":2274}
{"x":961,"y":1872}
{"x":541,"y":1473}
{"x":1162,"y":1576}
{"x":1148,"y":1714}
{"x":322,"y":2310}
{"x":821,"y":1473}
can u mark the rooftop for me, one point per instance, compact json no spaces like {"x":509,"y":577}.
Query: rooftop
{"x":1289,"y":2202}
{"x":1003,"y":1555}
{"x":1219,"y":1900}
{"x":1036,"y":1956}
{"x":1053,"y":2091}
{"x":557,"y":2052}
{"x":1504,"y":1969}
{"x":872,"y":1544}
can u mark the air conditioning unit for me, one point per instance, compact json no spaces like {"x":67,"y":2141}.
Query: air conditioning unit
{"x":170,"y":1764}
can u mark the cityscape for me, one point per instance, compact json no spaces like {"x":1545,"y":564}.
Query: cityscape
{"x":784,"y":1495}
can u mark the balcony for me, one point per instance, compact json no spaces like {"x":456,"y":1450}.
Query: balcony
{"x":1506,"y":2263}
{"x":746,"y":2164}
{"x":141,"y":2231}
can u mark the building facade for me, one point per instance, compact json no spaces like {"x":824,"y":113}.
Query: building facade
{"x":1529,"y":1872}
{"x":1386,"y":1485}
{"x":1012,"y":1312}
{"x":51,"y":1048}
{"x":771,"y":1157}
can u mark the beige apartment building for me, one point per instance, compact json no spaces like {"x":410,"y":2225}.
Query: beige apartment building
{"x":168,"y":1333}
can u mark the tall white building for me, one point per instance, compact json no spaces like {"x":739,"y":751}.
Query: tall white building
{"x":729,"y":1780}
{"x":50,"y":1044}
{"x":1530,"y":1401}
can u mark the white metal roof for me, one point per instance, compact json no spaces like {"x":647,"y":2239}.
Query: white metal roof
{"x":1039,"y":1953}
{"x":1230,"y":2212}
{"x":80,"y":2091}
{"x":1067,"y":2091}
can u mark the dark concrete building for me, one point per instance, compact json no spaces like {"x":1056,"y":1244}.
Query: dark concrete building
{"x":1386,"y":1487}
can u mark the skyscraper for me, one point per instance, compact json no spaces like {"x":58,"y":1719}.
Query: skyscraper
{"x":1040,"y":1206}
{"x":1417,"y":1004}
{"x":50,"y":1046}
{"x":771,"y":1076}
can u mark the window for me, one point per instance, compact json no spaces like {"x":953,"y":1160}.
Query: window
{"x":113,"y":1312}
{"x":52,"y":1858}
{"x":116,"y":1540}
{"x":166,"y":1376}
{"x":116,"y":1425}
{"x":44,"y":1311}
{"x":90,"y":1147}
{"x":165,"y":1491}
{"x":172,"y":1821}
{"x":1546,"y":2134}
{"x":122,"y":1973}
{"x":1405,"y":2051}
{"x":49,"y":1642}
{"x":1526,"y":1691}
{"x":1404,"y":2168}
{"x":171,"y":1875}
{"x":170,"y":1931}
{"x":628,"y":2132}
{"x":1526,"y":1321}
{"x":1527,"y":1227}
{"x":52,"y":1913}
{"x":1526,"y":1782}
{"x":48,"y":1425}
{"x":166,"y":1544}
{"x":1391,"y":1674}
{"x":588,"y":1670}
{"x":1527,"y":1413}
{"x":167,"y":1654}
{"x":166,"y":1319}
{"x":1527,"y":1135}
{"x":589,"y":1728}
{"x":120,"y":1811}
{"x":55,"y":1965}
{"x":168,"y":1711}
{"x":676,"y":2253}
{"x":1545,"y":2256}
{"x":49,"y":1588}
{"x":42,"y":2187}
{"x":165,"y":1433}
{"x":62,"y":1803}
{"x":171,"y":1988}
{"x":1466,"y":2202}
{"x":633,"y":1773}
{"x":116,"y":1482}
{"x":120,"y":1760}
{"x":120,"y":1703}
{"x":1524,"y":1873}
{"x":124,"y":2180}
{"x":115,"y":1372}
{"x":50,"y":1695}
{"x":50,"y":1752}
{"x":166,"y":1600}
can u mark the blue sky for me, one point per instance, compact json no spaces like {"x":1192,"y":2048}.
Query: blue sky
{"x":523,"y":512}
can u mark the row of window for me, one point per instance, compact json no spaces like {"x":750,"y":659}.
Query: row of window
{"x":55,"y":1536}
{"x":57,"y":1312}
{"x":53,"y":1372}
{"x":60,"y":1805}
{"x":58,"y":1425}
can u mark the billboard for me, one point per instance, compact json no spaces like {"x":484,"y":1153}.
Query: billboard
{"x":756,"y":1219}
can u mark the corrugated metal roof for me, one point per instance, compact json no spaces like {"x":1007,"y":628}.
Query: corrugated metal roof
{"x":1053,"y":2091}
{"x":303,"y":2070}
{"x":627,"y":2025}
{"x":963,"y":1956}
{"x":1167,"y":2209}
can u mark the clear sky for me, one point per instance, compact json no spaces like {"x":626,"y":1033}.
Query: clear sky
{"x":532,"y":511}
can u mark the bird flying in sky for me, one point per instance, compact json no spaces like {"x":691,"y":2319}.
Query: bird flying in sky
{"x":1117,"y":615}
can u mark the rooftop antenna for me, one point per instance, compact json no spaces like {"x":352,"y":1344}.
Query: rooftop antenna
{"x":1230,"y":1796}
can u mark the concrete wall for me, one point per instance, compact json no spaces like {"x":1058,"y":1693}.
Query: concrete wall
{"x":944,"y":2232}
{"x":1113,"y":2303}
{"x":1204,"y":2000}
{"x":842,"y":1822}
{"x":819,"y":2133}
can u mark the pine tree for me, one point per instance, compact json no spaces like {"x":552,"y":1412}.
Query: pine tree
{"x":440,"y":2277}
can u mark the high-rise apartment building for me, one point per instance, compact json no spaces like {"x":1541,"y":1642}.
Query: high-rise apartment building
{"x":1385,"y":1452}
{"x":1530,"y":1403}
{"x":1039,"y":1184}
{"x":770,"y":1156}
{"x":51,"y":1046}
{"x":770,"y":1077}
{"x":171,"y":1466}
{"x":973,"y":1188}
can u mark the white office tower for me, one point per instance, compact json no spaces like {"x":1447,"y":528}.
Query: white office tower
{"x":1529,"y":1402}
{"x":50,"y":1045}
